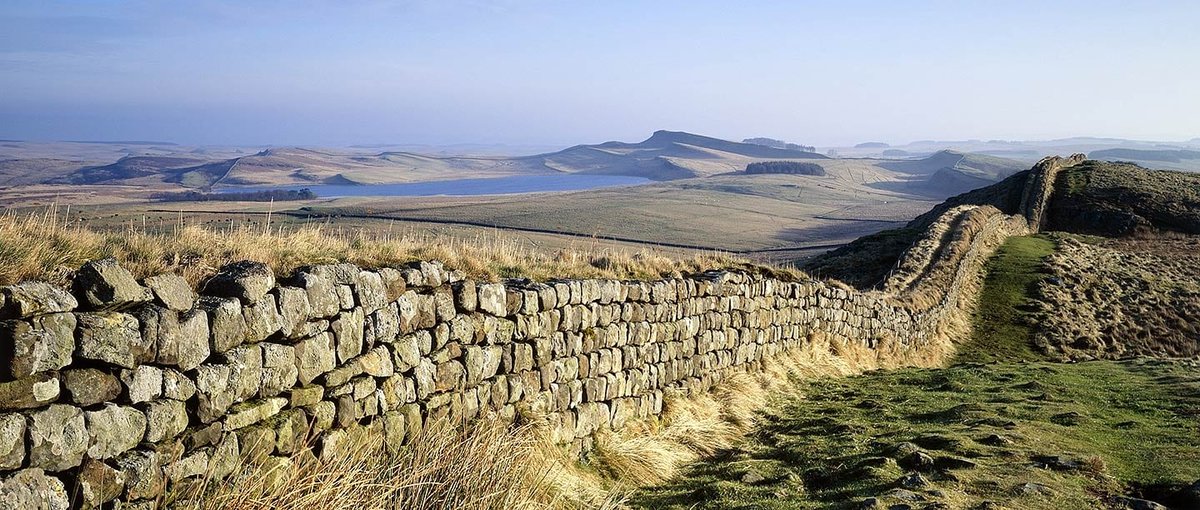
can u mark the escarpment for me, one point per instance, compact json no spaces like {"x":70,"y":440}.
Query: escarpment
{"x":123,"y":389}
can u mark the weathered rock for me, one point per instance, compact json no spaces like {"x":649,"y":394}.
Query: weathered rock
{"x":302,"y":396}
{"x":212,"y":392}
{"x":245,"y":371}
{"x":189,"y":466}
{"x":256,"y":442}
{"x":165,"y":419}
{"x":113,"y":338}
{"x":89,"y":386}
{"x":450,"y":375}
{"x":143,"y":474}
{"x":177,"y":386}
{"x":172,"y":291}
{"x":369,"y":292}
{"x":377,"y":362}
{"x":43,"y":343}
{"x":322,"y":295}
{"x":113,"y":430}
{"x":247,"y":281}
{"x":250,"y":413}
{"x":58,"y":438}
{"x":29,"y":392}
{"x":291,"y":427}
{"x":314,"y":356}
{"x":97,"y":483}
{"x":28,"y":299}
{"x":481,"y":363}
{"x":225,"y":457}
{"x":105,"y":285}
{"x":294,"y":310}
{"x":1140,"y":504}
{"x":466,"y":296}
{"x":226,"y":322}
{"x":279,"y":368}
{"x":143,"y":383}
{"x":262,"y":319}
{"x":201,"y":436}
{"x":348,"y":333}
{"x":493,"y":299}
{"x":32,"y":489}
{"x":12,"y":441}
{"x":393,"y":283}
{"x":181,"y":338}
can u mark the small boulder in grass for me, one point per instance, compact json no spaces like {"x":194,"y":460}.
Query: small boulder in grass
{"x":105,"y":285}
{"x":247,"y":281}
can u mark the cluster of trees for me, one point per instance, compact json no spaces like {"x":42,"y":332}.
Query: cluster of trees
{"x":280,"y":195}
{"x":785,"y":167}
{"x":779,"y":144}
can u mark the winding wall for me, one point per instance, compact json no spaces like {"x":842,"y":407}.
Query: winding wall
{"x":120,"y":389}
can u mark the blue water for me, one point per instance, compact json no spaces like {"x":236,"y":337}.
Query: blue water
{"x":465,"y":187}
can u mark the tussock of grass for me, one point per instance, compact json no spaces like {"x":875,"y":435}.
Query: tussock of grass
{"x":48,"y":247}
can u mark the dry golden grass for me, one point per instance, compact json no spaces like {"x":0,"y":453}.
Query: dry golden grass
{"x":49,"y":247}
{"x":482,"y":466}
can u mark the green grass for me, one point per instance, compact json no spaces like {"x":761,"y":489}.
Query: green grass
{"x":1002,"y":329}
{"x":1128,"y":424}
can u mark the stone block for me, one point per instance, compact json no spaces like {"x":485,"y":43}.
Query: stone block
{"x":165,"y":419}
{"x":12,"y":441}
{"x":315,"y":356}
{"x":294,"y":310}
{"x":493,"y":299}
{"x":247,"y":281}
{"x":58,"y":438}
{"x":113,"y":430}
{"x":181,"y":339}
{"x":262,"y":319}
{"x":322,"y":293}
{"x":143,"y":383}
{"x":27,"y":299}
{"x":172,"y":291}
{"x":212,"y":392}
{"x":377,"y":362}
{"x":105,"y":285}
{"x":348,"y":334}
{"x":33,"y":489}
{"x":250,"y":413}
{"x":369,"y":292}
{"x":97,"y":483}
{"x":143,"y":474}
{"x":306,"y":395}
{"x":177,"y":386}
{"x":29,"y":392}
{"x":245,"y":371}
{"x":43,"y":343}
{"x":113,"y":338}
{"x":279,"y":368}
{"x":226,"y":322}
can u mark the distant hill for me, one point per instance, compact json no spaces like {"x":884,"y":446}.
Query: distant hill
{"x":1166,"y":155}
{"x":872,"y":145}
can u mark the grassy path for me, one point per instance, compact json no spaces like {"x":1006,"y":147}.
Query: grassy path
{"x":1002,"y":331}
{"x":1016,"y":432}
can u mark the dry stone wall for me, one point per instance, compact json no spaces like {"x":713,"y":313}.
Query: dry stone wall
{"x":121,"y":389}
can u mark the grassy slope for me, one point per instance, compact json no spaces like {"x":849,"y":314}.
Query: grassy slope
{"x":837,"y":443}
{"x":849,"y":439}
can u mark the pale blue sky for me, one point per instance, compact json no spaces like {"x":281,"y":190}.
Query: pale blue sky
{"x":564,"y":72}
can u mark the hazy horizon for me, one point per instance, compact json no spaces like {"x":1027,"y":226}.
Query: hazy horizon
{"x":548,"y":74}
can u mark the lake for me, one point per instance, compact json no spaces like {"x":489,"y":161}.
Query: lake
{"x":463,"y":187}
